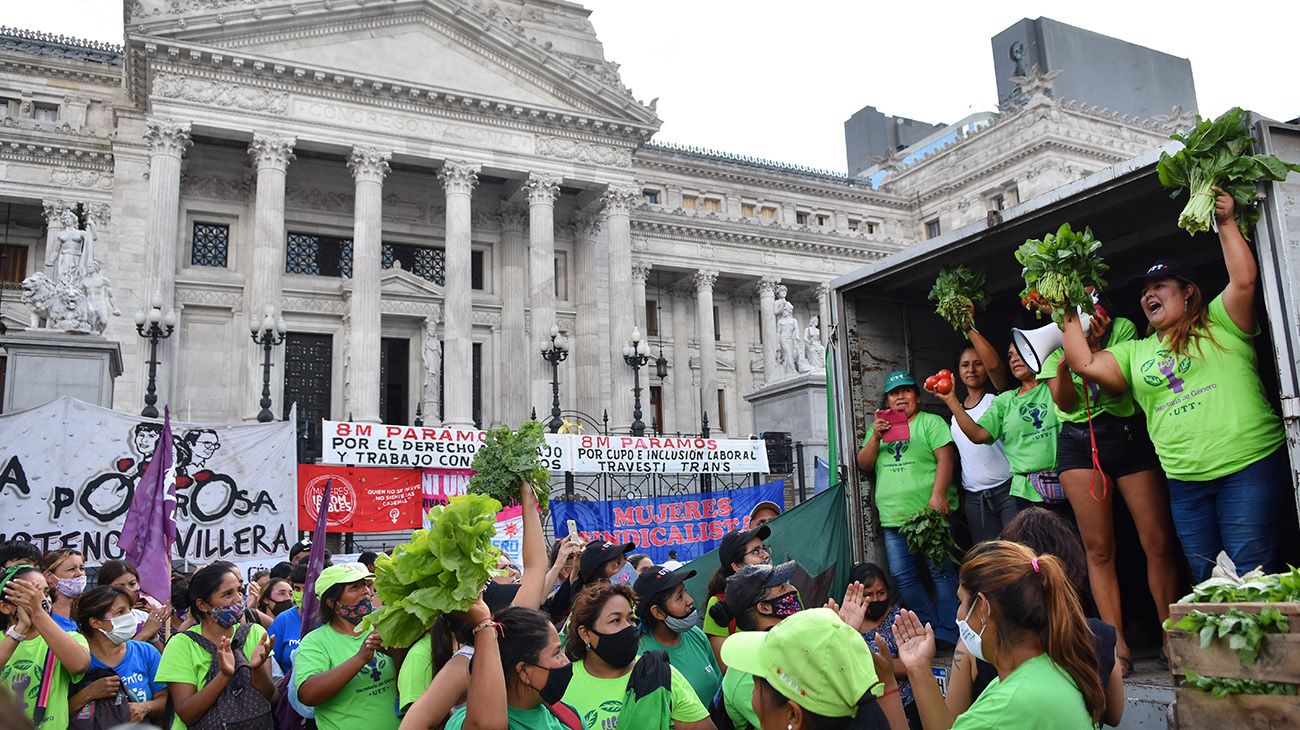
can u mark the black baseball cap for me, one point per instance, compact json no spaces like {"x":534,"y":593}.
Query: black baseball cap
{"x":596,"y":554}
{"x":299,"y":547}
{"x":733,"y":543}
{"x":657,"y":580}
{"x":746,"y":587}
{"x":1167,"y":269}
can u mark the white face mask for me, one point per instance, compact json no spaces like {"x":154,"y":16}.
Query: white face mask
{"x":123,"y":629}
{"x":973,"y":641}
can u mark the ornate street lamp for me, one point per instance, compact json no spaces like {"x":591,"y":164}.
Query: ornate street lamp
{"x":269,"y":333}
{"x":153,"y":332}
{"x":555,"y":350}
{"x":636,"y":353}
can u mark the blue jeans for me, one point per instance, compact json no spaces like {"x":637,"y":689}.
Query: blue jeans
{"x":1240,"y":513}
{"x":906,"y":570}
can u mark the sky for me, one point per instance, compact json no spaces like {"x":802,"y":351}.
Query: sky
{"x":776,"y":79}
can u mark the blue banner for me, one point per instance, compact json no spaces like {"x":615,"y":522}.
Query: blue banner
{"x":691,"y":524}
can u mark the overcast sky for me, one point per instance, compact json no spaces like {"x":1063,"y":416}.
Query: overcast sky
{"x":777,"y":79}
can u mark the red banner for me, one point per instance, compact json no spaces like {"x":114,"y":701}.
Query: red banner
{"x":362,"y":499}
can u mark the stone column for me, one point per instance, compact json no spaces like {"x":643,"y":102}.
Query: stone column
{"x":824,"y":310}
{"x":766,"y":288}
{"x":458,"y":181}
{"x":686,"y":419}
{"x":542,"y":191}
{"x":618,"y":202}
{"x":515,"y":349}
{"x":742,"y":312}
{"x":640,"y":274}
{"x":167,"y":142}
{"x":271,"y":157}
{"x":703,"y":281}
{"x":368,"y":166}
{"x":587,"y":341}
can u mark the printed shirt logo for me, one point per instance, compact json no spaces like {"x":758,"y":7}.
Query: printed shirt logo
{"x":897,"y":449}
{"x":1033,"y":413}
{"x":1165,"y":369}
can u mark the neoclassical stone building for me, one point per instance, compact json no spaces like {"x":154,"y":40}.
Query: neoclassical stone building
{"x":422,"y":189}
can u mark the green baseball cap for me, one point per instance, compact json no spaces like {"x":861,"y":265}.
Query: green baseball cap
{"x":897,"y":379}
{"x":341,"y":574}
{"x":812,"y":658}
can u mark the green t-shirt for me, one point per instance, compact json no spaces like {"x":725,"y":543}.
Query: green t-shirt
{"x":1038,"y":695}
{"x":186,"y":662}
{"x":693,"y":658}
{"x":416,"y":673}
{"x":1207,"y":414}
{"x":23,"y":673}
{"x":905,"y":470}
{"x":368,"y":700}
{"x":1028,"y":428}
{"x":1120,"y":406}
{"x":598,"y":700}
{"x":738,"y":699}
{"x":538,"y":718}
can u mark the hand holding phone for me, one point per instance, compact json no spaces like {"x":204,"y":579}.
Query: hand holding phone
{"x":898,"y":430}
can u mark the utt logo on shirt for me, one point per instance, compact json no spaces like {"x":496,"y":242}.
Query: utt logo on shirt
{"x":1033,"y":413}
{"x":896,"y":449}
{"x":1170,"y":368}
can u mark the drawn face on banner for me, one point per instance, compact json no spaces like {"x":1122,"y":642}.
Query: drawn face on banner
{"x":203,"y":442}
{"x":144,"y":438}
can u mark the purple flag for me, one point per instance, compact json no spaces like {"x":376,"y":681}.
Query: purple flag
{"x":150,"y":529}
{"x":315,"y":562}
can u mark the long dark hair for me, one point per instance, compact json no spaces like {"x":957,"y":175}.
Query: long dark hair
{"x":94,"y":603}
{"x":111,"y":570}
{"x":869,"y":715}
{"x":525,"y":632}
{"x":1048,"y":533}
{"x":1032,"y":594}
{"x":586,"y":611}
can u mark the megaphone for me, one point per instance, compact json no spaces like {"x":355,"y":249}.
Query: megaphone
{"x":1036,"y":345}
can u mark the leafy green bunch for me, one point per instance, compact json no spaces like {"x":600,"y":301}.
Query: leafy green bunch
{"x":1253,"y":587}
{"x":508,"y":458}
{"x":1059,"y":267}
{"x":1245,"y":631}
{"x":440,"y":570}
{"x":1217,"y":154}
{"x":1222,"y":687}
{"x":956,"y":291}
{"x":928,"y":532}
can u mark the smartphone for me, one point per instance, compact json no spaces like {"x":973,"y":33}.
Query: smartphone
{"x":573,"y":531}
{"x":899,"y":430}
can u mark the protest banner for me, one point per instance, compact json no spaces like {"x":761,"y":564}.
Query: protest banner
{"x":68,"y":472}
{"x":666,"y":455}
{"x":439,"y":486}
{"x":361,"y":499}
{"x":376,"y":444}
{"x":691,"y":524}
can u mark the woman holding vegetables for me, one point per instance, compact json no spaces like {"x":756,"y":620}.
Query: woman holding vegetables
{"x":1089,"y":415}
{"x":912,"y":474}
{"x":1195,"y":377}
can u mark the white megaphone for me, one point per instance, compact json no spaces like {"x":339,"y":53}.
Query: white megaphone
{"x":1034,"y":346}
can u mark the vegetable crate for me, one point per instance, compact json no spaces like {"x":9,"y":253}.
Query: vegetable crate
{"x":1278,"y":661}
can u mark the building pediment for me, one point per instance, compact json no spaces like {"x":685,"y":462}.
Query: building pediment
{"x":402,"y":284}
{"x":401,"y":44}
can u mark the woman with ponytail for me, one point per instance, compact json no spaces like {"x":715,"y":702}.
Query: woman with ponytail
{"x":1020,"y":612}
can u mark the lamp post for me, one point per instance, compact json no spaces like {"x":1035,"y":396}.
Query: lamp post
{"x":268,"y":333}
{"x":159,"y":327}
{"x":555,"y":350}
{"x":636,"y":353}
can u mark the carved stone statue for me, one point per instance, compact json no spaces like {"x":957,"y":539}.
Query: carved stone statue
{"x":431,"y":356}
{"x":812,"y":335}
{"x":79,"y":298}
{"x":791,"y":359}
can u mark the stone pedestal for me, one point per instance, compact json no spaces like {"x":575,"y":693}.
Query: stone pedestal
{"x":41,"y":366}
{"x":796,"y":405}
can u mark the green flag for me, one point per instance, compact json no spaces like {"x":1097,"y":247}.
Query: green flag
{"x":815,"y":534}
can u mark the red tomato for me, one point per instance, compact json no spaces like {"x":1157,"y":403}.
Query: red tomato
{"x":930,"y":382}
{"x":944,"y":374}
{"x":943,"y":386}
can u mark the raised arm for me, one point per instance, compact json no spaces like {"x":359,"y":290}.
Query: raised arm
{"x":435,"y":704}
{"x":968,"y":426}
{"x":1243,"y":271}
{"x":73,"y":656}
{"x":1062,"y":387}
{"x":533,"y":585}
{"x":1099,"y":367}
{"x":998,"y":372}
{"x":486,"y":707}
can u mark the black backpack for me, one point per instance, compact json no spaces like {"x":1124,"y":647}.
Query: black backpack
{"x":103,"y":713}
{"x":240,"y":706}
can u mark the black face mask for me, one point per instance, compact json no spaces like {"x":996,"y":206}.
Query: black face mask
{"x":281,"y":606}
{"x":619,"y":648}
{"x":557,"y":683}
{"x":877,"y":609}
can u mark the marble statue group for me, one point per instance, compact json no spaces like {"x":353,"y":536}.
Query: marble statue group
{"x":797,"y":352}
{"x":74,"y":296}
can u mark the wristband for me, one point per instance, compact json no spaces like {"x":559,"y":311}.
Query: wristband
{"x":12,"y":632}
{"x":486,"y":624}
{"x":889,"y":692}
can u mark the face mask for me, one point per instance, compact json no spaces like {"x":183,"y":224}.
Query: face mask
{"x":557,"y":683}
{"x":297,"y":599}
{"x":877,"y":609}
{"x":619,"y":648}
{"x":624,"y":576}
{"x":123,"y":629}
{"x":973,"y":641}
{"x":786,"y":604}
{"x":72,"y":587}
{"x":281,"y":606}
{"x":355,"y":612}
{"x":227,"y":616}
{"x":683,"y":624}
